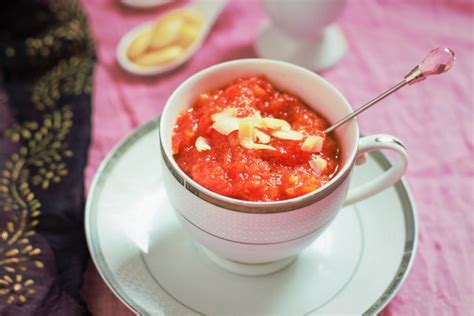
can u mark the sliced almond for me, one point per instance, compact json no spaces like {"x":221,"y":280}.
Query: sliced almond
{"x":188,"y":35}
{"x":262,"y":137}
{"x":263,"y":146}
{"x":273,"y":123}
{"x":245,"y":130}
{"x":202,"y":144}
{"x":159,"y":57}
{"x":289,"y":135}
{"x":139,"y":44}
{"x":252,"y":120}
{"x":313,"y":144}
{"x":228,"y":112}
{"x":319,"y":164}
{"x":246,"y":133}
{"x":249,"y":144}
{"x":226,"y":125}
{"x":166,"y":31}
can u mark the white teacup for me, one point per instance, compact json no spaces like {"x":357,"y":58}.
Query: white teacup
{"x":262,"y":237}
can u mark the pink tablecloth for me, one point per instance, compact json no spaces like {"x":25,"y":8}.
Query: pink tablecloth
{"x":434,"y":119}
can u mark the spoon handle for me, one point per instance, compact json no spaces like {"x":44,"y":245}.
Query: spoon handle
{"x":209,"y":9}
{"x":349,"y":116}
{"x":438,"y":61}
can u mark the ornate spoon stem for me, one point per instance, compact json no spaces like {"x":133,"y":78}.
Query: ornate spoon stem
{"x":438,"y":61}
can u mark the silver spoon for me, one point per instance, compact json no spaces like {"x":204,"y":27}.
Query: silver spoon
{"x":438,"y":61}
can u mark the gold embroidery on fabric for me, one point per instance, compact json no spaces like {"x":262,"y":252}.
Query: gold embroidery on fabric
{"x":16,"y":288}
{"x":45,"y":150}
{"x":65,"y":9}
{"x":40,"y":161}
{"x":69,"y":77}
{"x":70,"y":31}
{"x":17,"y":253}
{"x":9,"y":52}
{"x":45,"y":145}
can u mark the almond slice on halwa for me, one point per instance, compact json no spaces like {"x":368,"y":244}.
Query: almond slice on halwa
{"x":202,"y":144}
{"x":289,"y":135}
{"x":313,"y":144}
{"x":262,"y":137}
{"x":246,"y":129}
{"x":273,"y":123}
{"x":249,"y":144}
{"x":319,"y":164}
{"x":262,"y":146}
{"x":253,"y":120}
{"x":226,"y":125}
{"x":228,"y":112}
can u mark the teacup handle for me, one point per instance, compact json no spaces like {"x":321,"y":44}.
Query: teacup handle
{"x":386,"y":179}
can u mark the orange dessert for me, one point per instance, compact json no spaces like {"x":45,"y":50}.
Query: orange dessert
{"x":252,"y":142}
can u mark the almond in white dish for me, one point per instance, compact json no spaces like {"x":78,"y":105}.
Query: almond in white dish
{"x":166,"y":31}
{"x":161,"y":56}
{"x":167,"y":39}
{"x":188,"y":35}
{"x":140,"y":44}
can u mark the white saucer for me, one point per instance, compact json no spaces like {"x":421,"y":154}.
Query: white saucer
{"x":154,"y":267}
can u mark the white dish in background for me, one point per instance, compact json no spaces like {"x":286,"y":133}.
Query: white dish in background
{"x":209,"y":10}
{"x":144,"y":4}
{"x":304,"y":34}
{"x":153,"y":266}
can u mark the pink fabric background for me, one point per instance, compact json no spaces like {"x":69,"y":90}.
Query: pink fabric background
{"x":386,"y":38}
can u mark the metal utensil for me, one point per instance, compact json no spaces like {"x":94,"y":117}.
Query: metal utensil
{"x":438,"y":61}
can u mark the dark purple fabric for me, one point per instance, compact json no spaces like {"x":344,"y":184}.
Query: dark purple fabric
{"x":46,"y":64}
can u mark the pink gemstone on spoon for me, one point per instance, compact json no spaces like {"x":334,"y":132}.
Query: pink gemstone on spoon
{"x":439,"y":60}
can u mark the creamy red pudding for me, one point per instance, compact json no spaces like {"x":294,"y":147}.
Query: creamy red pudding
{"x":252,"y":142}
